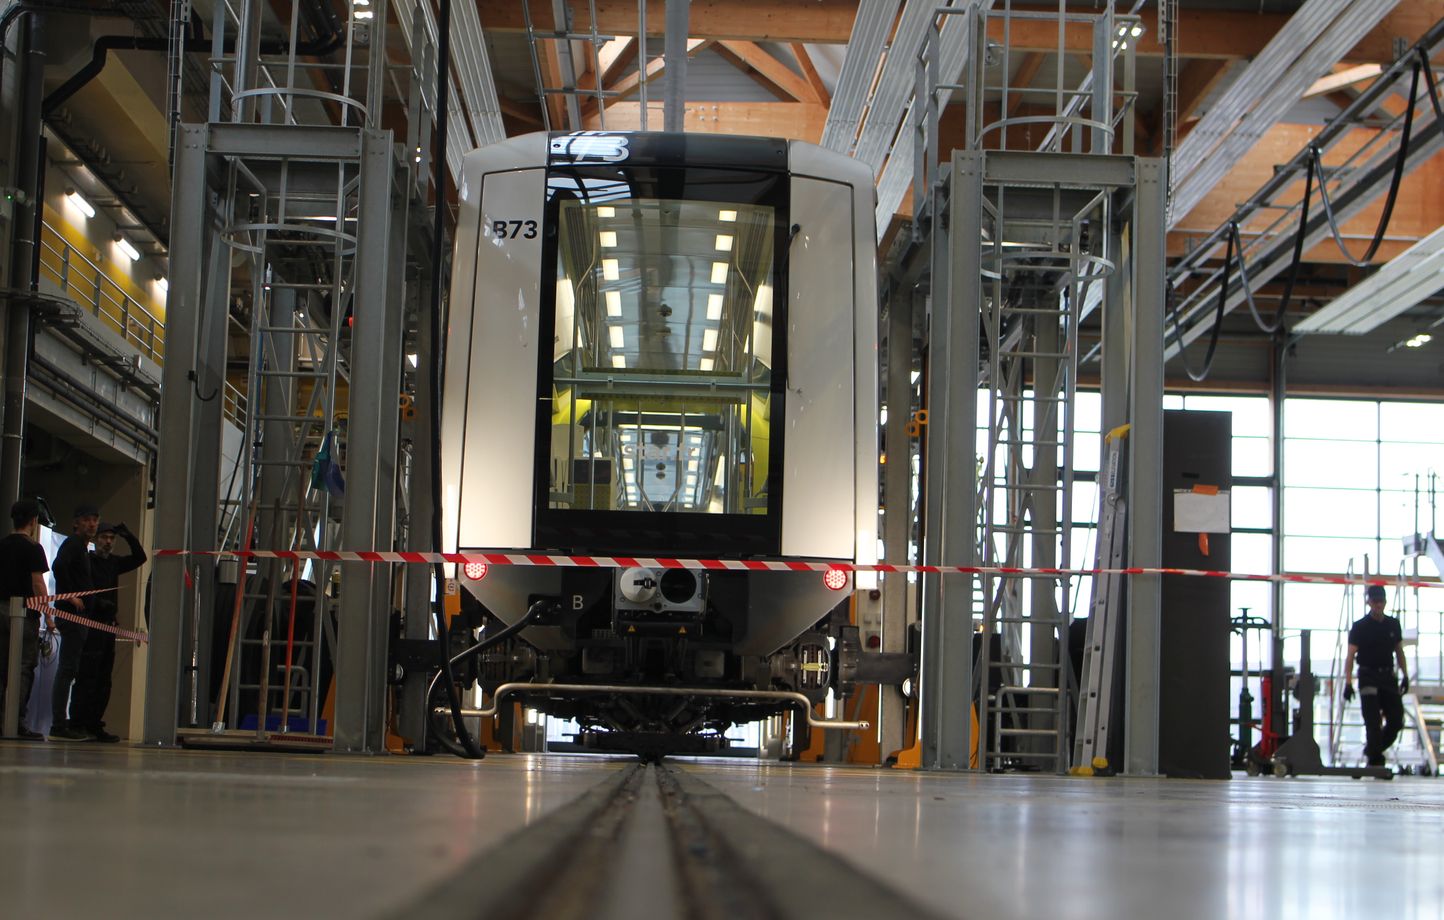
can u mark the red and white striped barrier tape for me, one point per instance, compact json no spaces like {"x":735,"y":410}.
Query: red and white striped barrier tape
{"x":120,"y":633}
{"x":47,"y":598}
{"x":40,"y":603}
{"x":778,"y":565}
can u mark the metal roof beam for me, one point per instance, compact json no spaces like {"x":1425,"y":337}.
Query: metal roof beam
{"x":1314,"y":38}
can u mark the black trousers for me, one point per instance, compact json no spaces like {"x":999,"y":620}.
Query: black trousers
{"x":92,"y":682}
{"x":29,"y":656}
{"x":72,"y":646}
{"x":1383,"y":710}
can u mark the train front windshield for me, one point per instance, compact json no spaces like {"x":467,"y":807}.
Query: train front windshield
{"x":663,"y":380}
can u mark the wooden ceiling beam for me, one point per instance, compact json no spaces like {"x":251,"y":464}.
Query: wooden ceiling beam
{"x":793,"y":120}
{"x":772,"y":74}
{"x":1204,"y":33}
{"x":1343,"y":77}
{"x":632,"y":82}
{"x":814,"y":21}
{"x":1023,"y":78}
{"x":819,"y":89}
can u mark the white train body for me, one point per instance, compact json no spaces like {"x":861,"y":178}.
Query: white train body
{"x":661,"y":345}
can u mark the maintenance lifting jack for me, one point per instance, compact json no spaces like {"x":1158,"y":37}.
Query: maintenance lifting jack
{"x":1299,"y":755}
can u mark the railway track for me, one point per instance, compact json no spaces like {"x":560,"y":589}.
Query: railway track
{"x":656,"y":841}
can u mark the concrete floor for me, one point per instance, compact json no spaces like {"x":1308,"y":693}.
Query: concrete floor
{"x":173,"y":833}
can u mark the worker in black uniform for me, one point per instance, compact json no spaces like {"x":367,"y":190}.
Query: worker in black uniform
{"x":22,"y":574}
{"x":72,"y":573}
{"x":1377,"y":641}
{"x":97,"y":659}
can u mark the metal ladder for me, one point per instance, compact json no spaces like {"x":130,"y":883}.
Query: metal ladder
{"x":1026,"y":495}
{"x":1100,"y":649}
{"x":292,"y":394}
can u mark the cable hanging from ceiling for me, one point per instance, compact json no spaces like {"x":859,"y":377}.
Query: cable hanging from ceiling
{"x":1313,"y":169}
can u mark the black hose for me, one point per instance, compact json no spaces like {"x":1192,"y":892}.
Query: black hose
{"x":191,"y":44}
{"x":1217,"y":318}
{"x":1394,"y":183}
{"x":533,"y":613}
{"x":469,"y":747}
{"x":1277,"y":323}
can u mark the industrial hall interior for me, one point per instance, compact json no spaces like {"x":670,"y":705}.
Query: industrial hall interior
{"x":722,"y":458}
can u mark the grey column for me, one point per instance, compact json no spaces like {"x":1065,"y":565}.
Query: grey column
{"x":358,"y":725}
{"x":171,"y":601}
{"x":1043,"y":478}
{"x":674,"y":52}
{"x":411,"y":715}
{"x":29,"y":81}
{"x":385,"y":578}
{"x":945,"y":725}
{"x":1145,"y":471}
{"x":204,"y":509}
{"x":898,"y":513}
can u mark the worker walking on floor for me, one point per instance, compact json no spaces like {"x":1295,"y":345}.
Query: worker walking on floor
{"x":1377,"y":640}
{"x":72,"y":574}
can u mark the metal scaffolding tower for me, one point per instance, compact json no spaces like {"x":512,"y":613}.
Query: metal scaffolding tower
{"x":1015,"y":238}
{"x":290,"y":217}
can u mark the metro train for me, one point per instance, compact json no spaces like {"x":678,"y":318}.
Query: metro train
{"x":662,"y":345}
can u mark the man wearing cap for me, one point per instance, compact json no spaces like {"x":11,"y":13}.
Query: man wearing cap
{"x":1377,"y":641}
{"x":72,"y":573}
{"x":22,"y":574}
{"x":97,"y":659}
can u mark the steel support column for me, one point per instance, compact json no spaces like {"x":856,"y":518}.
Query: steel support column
{"x":1145,"y":469}
{"x":27,"y":176}
{"x":674,"y":52}
{"x":411,"y":713}
{"x":172,"y":603}
{"x":898,"y":509}
{"x":360,"y":664}
{"x":945,"y":726}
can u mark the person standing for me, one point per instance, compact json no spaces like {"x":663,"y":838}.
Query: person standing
{"x":97,"y":658}
{"x":72,"y":573}
{"x":1377,"y":641}
{"x":22,"y":574}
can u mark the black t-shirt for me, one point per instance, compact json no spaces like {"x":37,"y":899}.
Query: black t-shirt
{"x":19,"y":558}
{"x":1376,"y":641}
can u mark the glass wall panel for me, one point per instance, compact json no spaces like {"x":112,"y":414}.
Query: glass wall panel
{"x":1332,"y":419}
{"x":1411,"y":422}
{"x":1339,"y":464}
{"x":1331,"y":512}
{"x":1252,"y":506}
{"x":1325,"y":554}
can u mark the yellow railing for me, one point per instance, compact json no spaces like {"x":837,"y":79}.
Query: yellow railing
{"x":87,"y":284}
{"x":84,"y":282}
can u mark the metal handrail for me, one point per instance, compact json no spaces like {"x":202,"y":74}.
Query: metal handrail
{"x":86,"y":283}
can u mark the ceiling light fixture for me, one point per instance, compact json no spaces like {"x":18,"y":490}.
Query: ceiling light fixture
{"x":618,"y":340}
{"x":614,"y":303}
{"x":80,"y":204}
{"x":719,"y":272}
{"x":606,"y":211}
{"x":724,"y":243}
{"x":608,"y":239}
{"x":125,"y":246}
{"x":714,"y":307}
{"x":611,"y":270}
{"x":727,"y":216}
{"x":709,"y":340}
